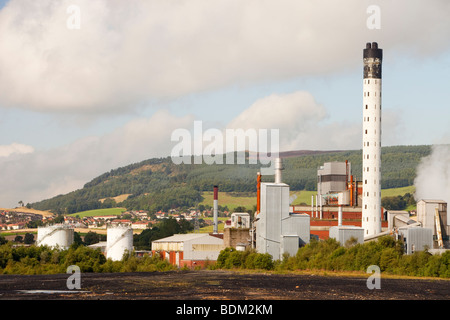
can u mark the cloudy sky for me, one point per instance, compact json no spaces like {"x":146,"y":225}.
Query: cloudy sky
{"x":89,"y":86}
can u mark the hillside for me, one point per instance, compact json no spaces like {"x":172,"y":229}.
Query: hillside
{"x":159,"y":184}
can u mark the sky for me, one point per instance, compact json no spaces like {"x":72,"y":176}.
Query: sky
{"x":89,"y":86}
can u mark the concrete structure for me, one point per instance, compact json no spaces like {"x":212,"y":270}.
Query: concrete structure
{"x":192,"y":249}
{"x":240,"y":220}
{"x":236,"y":237}
{"x":119,"y":240}
{"x":371,"y":203}
{"x":58,"y":235}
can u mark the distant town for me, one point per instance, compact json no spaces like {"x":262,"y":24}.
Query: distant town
{"x":22,"y":219}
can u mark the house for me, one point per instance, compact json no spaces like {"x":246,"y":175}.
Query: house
{"x":139,"y":225}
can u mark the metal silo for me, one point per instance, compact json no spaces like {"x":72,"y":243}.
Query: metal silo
{"x":119,"y":241}
{"x":55,"y":236}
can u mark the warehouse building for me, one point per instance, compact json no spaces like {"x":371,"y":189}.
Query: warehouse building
{"x":192,"y":249}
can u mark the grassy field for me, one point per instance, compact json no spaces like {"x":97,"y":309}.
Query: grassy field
{"x":397,"y":191}
{"x":99,"y":212}
{"x":231,"y":201}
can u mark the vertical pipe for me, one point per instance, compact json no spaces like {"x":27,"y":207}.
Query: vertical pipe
{"x":320,"y":200}
{"x":278,"y":168}
{"x":216,"y":209}
{"x":340,"y":215}
{"x":258,"y":193}
{"x":317,"y":209}
{"x":351,"y":190}
{"x":346,"y":174}
{"x":312,"y":206}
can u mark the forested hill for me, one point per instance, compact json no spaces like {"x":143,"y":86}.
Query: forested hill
{"x":159,"y":184}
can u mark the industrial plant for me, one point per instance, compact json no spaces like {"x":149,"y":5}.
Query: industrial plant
{"x":343,"y":208}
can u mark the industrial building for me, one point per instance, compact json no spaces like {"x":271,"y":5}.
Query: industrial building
{"x":192,"y":249}
{"x":344,"y":209}
{"x":338,"y":203}
{"x":277,"y":230}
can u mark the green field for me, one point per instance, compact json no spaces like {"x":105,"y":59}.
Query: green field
{"x":99,"y":212}
{"x":397,"y":191}
{"x":229,"y":200}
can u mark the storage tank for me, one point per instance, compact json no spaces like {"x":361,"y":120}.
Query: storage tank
{"x":55,"y":236}
{"x":119,"y":240}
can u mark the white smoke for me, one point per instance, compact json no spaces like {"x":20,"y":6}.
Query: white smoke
{"x":433,"y":175}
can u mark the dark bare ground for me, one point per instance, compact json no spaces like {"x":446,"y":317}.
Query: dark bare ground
{"x":217,"y":285}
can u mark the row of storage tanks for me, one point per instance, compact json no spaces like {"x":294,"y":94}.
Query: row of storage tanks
{"x":119,"y":239}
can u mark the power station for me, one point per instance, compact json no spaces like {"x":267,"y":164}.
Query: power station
{"x":345,"y":209}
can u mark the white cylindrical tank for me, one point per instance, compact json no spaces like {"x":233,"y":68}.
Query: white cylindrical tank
{"x":55,"y":236}
{"x":119,"y":240}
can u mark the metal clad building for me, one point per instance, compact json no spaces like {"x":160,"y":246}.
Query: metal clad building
{"x":416,"y":239}
{"x":298,"y":225}
{"x":344,"y":233}
{"x":274,"y":207}
{"x":332,"y":177}
{"x":277,"y":230}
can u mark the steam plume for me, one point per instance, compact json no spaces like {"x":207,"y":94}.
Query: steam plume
{"x":433,"y":175}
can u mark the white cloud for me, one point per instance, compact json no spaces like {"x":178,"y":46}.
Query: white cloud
{"x":128,"y":51}
{"x":301,"y":121}
{"x":15,"y":148}
{"x":44,"y":174}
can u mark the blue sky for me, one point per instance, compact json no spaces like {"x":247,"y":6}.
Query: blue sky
{"x":77,"y":103}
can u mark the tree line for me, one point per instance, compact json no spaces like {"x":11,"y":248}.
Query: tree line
{"x":386,"y":252}
{"x":325,"y":255}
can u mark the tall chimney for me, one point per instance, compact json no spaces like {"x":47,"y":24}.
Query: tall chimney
{"x":278,"y":168}
{"x":371,"y":162}
{"x":216,"y":209}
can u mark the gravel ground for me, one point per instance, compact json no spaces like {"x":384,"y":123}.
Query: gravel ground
{"x":217,"y":285}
